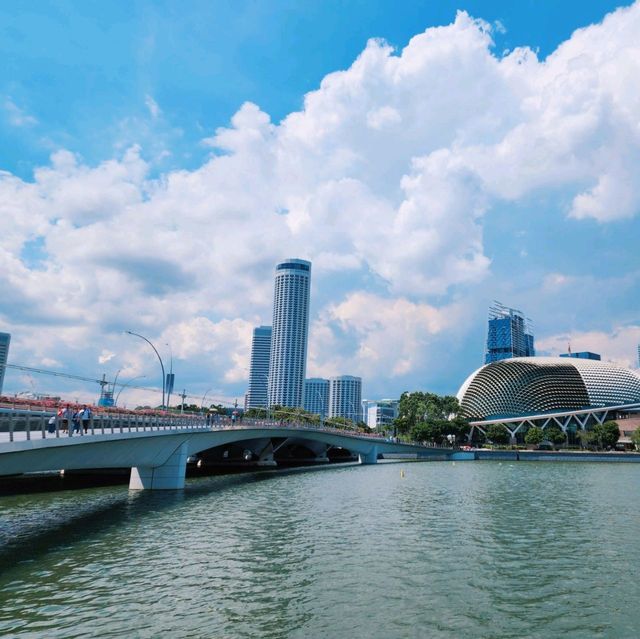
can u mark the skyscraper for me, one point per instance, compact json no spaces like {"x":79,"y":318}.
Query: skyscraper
{"x":290,"y":327}
{"x":257,"y":395}
{"x":509,"y":334}
{"x":316,"y":396}
{"x":345,"y":397}
{"x":5,"y":340}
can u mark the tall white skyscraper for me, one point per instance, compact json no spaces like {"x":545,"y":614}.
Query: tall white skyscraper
{"x":316,"y":396}
{"x":290,"y":327}
{"x":345,"y":397}
{"x":257,"y":394}
{"x":5,"y":340}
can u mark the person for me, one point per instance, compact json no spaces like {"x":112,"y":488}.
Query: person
{"x":85,"y":417}
{"x":52,"y":424}
{"x":64,"y":413}
{"x":76,"y":422}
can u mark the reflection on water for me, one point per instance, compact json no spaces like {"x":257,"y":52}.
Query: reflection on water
{"x":449,"y":550}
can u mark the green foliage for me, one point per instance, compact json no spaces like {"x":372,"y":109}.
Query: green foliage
{"x":294,"y":414}
{"x":430,"y":417}
{"x":554,"y":435}
{"x":587,"y":438}
{"x":635,"y":437}
{"x":498,"y":434}
{"x":606,"y":434}
{"x":534,"y":436}
{"x":419,"y":407}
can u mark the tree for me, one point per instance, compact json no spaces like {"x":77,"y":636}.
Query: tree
{"x":607,"y":434}
{"x":498,"y":434}
{"x":635,"y":438}
{"x":554,"y":435}
{"x":534,"y":436}
{"x":430,"y":417}
{"x":587,"y":438}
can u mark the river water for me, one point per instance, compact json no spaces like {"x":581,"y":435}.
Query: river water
{"x":455,"y":550}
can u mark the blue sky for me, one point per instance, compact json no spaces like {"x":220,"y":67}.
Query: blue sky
{"x":83,"y":70}
{"x":424,"y":181}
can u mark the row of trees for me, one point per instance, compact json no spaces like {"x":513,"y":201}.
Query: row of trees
{"x":301,"y":416}
{"x":600,"y":436}
{"x":430,"y":417}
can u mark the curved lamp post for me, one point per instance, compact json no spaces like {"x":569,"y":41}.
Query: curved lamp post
{"x":159,"y":359}
{"x":203,"y":398}
{"x":133,"y":379}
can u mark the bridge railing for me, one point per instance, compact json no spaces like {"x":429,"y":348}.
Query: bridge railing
{"x":20,"y":424}
{"x":28,"y":424}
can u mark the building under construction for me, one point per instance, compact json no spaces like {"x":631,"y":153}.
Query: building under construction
{"x":510,"y":334}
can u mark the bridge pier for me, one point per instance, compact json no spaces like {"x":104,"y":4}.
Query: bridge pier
{"x":369,"y":458}
{"x":168,"y":476}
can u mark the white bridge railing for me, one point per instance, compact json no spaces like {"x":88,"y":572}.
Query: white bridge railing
{"x":21,"y":425}
{"x":29,"y":424}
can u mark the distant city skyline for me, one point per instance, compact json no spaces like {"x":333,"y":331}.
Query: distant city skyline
{"x":425,"y":160}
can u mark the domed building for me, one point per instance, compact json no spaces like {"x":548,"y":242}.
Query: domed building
{"x":525,"y":386}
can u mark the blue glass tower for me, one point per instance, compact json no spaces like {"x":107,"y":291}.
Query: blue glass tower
{"x":509,"y":334}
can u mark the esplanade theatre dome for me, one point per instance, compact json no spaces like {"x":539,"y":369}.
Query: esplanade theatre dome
{"x":531,"y":385}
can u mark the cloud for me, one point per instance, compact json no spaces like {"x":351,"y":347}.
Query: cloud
{"x":384,"y":179}
{"x":105,"y":356}
{"x":18,"y":117}
{"x":153,"y":107}
{"x":619,"y":346}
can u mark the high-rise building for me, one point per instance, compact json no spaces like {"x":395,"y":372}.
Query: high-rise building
{"x":316,"y":396}
{"x":290,"y":327}
{"x":638,"y":355}
{"x":257,"y":396}
{"x":5,"y":340}
{"x":509,"y":334}
{"x":345,"y":397}
{"x":381,"y":413}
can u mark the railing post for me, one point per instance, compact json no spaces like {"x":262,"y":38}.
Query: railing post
{"x":91,"y":424}
{"x":11,"y":427}
{"x":28,"y":426}
{"x":42,"y":420}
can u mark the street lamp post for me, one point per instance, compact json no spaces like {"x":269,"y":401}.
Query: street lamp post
{"x":159,"y":359}
{"x":321,"y":407}
{"x":203,"y":398}
{"x":267,"y":385}
{"x":133,"y":379}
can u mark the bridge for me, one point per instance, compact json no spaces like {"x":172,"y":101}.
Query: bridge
{"x":157,"y":448}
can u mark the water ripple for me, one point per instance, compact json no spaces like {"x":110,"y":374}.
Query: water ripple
{"x":447,"y":550}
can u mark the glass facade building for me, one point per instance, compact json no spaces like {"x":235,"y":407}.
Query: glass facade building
{"x":289,"y":333}
{"x":509,"y":334}
{"x":381,"y":413}
{"x":316,"y":396}
{"x":5,"y":340}
{"x":345,"y":397}
{"x":257,"y":395}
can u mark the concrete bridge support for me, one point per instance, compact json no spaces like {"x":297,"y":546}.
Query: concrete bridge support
{"x":369,"y":458}
{"x":168,"y":476}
